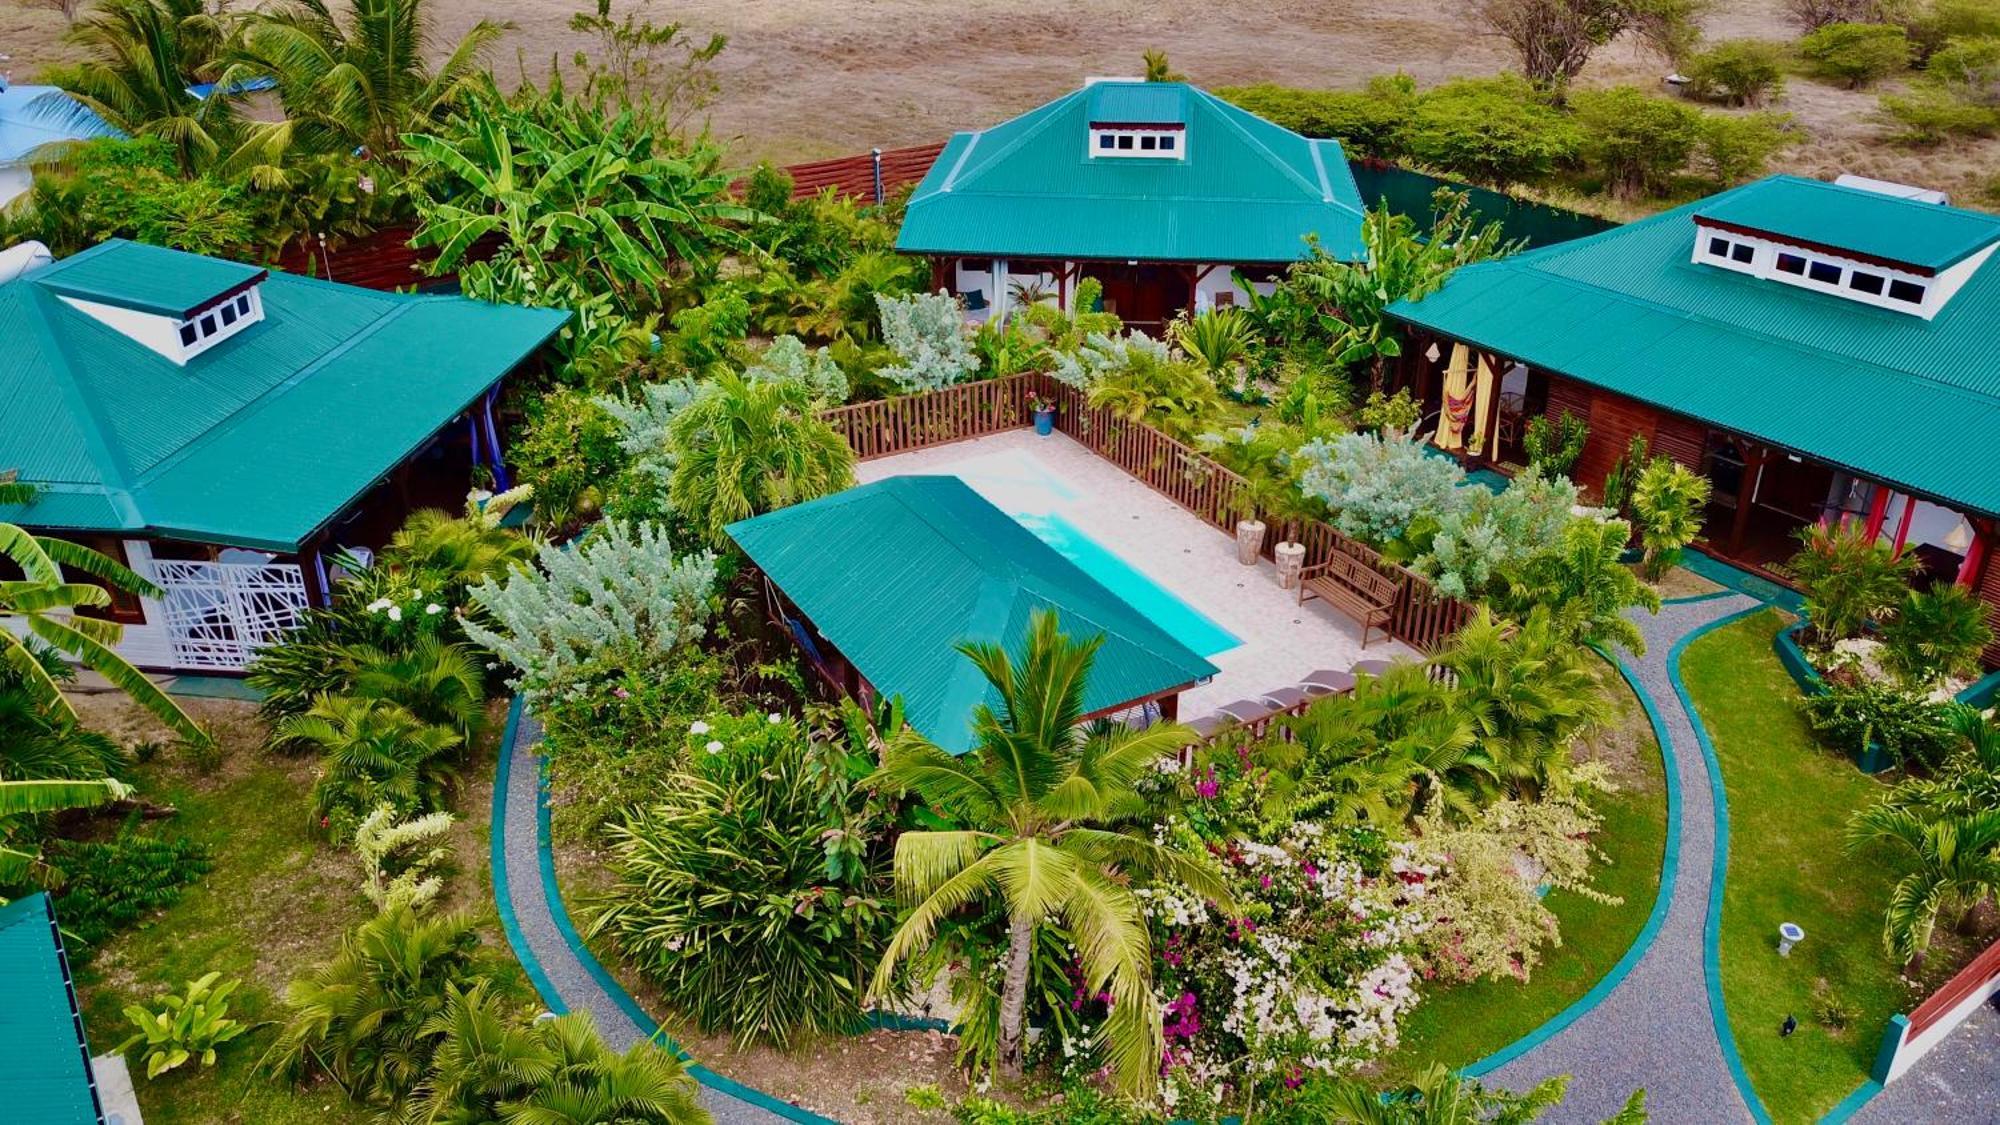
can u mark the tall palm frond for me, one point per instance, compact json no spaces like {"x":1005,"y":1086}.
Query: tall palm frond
{"x":1949,"y":863}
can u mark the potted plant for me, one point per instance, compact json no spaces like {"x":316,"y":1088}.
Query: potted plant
{"x":1045,"y":412}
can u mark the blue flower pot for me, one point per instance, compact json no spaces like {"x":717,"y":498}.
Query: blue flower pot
{"x":1045,"y":422}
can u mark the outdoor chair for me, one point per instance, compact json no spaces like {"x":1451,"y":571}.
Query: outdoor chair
{"x":1370,"y":667}
{"x":1327,"y":681}
{"x":1248,"y":709}
{"x":975,"y":301}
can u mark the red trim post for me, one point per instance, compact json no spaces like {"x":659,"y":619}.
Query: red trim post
{"x":1975,"y":555}
{"x":1878,"y":511}
{"x":1903,"y":525}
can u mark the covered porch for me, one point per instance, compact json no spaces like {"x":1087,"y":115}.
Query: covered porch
{"x":1145,"y":295}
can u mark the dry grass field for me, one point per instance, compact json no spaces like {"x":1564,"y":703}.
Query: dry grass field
{"x":812,"y":78}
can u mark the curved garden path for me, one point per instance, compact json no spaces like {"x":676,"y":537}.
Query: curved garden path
{"x":538,"y":927}
{"x":1655,"y":1021}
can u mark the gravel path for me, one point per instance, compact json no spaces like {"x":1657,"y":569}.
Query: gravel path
{"x":1654,"y":1030}
{"x":1957,"y":1083}
{"x":565,"y":982}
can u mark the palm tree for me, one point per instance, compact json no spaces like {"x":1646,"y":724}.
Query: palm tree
{"x":1041,"y":793}
{"x":44,"y":604}
{"x":144,"y":56}
{"x":365,"y":1018}
{"x":1668,"y":500}
{"x":1951,"y":863}
{"x":1527,"y":691}
{"x":1589,"y":587}
{"x":463,"y":551}
{"x":748,"y":446}
{"x":376,"y":752}
{"x":437,"y":682}
{"x":1439,"y":1097}
{"x":359,"y":79}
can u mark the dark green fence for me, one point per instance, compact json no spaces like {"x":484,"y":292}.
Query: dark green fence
{"x":1409,"y":193}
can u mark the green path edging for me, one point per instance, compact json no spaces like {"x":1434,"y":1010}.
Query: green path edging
{"x":1711,"y":940}
{"x":1852,"y":1103}
{"x":1663,"y":899}
{"x":1686,"y":599}
{"x":560,"y":914}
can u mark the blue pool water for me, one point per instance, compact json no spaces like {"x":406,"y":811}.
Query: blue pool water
{"x":1156,"y":603}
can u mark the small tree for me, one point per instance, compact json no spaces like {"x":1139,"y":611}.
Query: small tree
{"x":1555,"y":38}
{"x":1668,"y":501}
{"x":1849,"y":578}
{"x":1741,"y":72}
{"x":1937,"y":633}
{"x":1637,"y":142}
{"x":1497,"y":131}
{"x":1856,"y":54}
{"x":1734,"y":148}
{"x":1811,"y":15}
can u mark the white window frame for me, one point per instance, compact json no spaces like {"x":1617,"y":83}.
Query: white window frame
{"x":1136,"y":134}
{"x":1763,"y":263}
{"x":249,"y":306}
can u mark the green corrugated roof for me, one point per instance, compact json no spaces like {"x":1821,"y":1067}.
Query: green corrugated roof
{"x":155,"y":280}
{"x":44,"y":1058}
{"x":1925,"y":235}
{"x":258,"y":440}
{"x":1886,"y":394}
{"x":1244,"y":191}
{"x":897,"y":572}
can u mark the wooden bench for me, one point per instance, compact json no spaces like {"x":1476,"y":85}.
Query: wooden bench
{"x":1353,"y":587}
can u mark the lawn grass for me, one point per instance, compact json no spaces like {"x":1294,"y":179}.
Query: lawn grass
{"x":1464,"y":1023}
{"x":1789,"y":801}
{"x":274,"y":907}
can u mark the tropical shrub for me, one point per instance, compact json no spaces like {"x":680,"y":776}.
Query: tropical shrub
{"x":752,"y":891}
{"x":1396,"y":414}
{"x":1635,"y":142}
{"x":1439,"y":1095}
{"x":747,"y":446}
{"x":1849,"y":578}
{"x":110,"y":884}
{"x":1929,"y":115}
{"x":135,"y":189}
{"x":1584,"y":586}
{"x":1498,"y":131}
{"x":1738,"y":72}
{"x":1218,"y":340}
{"x":1850,"y":717}
{"x":620,"y":587}
{"x":1482,"y":536}
{"x":1937,"y":634}
{"x":1856,"y":54}
{"x":367,"y":1019}
{"x":191,"y":1025}
{"x":1668,"y":500}
{"x":373,"y":753}
{"x":1553,"y":447}
{"x":1950,"y":865}
{"x":566,"y":449}
{"x":926,"y":332}
{"x":401,"y":857}
{"x":1146,"y":382}
{"x":1527,"y":692}
{"x":1376,"y":486}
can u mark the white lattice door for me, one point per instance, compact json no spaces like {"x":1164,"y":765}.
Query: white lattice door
{"x":220,"y":614}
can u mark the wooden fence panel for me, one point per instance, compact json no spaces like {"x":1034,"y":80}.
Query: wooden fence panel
{"x":1421,"y":617}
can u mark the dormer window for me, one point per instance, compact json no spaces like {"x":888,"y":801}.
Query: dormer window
{"x":1876,"y":282}
{"x":206,"y":329}
{"x":1137,"y":141}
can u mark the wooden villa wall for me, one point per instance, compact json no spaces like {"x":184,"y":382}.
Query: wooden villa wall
{"x":1421,"y":617}
{"x":381,"y":259}
{"x":1614,"y":421}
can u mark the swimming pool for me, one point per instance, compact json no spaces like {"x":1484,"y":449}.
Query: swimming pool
{"x":1154,"y":602}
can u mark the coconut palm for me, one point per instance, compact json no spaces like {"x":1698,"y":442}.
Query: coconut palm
{"x":43,"y":604}
{"x":464,"y":550}
{"x":365,"y":1018}
{"x":437,"y":682}
{"x":359,"y":78}
{"x":1041,"y":794}
{"x":376,"y":752}
{"x":1589,"y":588}
{"x":1950,"y":863}
{"x":750,"y":446}
{"x":144,"y":55}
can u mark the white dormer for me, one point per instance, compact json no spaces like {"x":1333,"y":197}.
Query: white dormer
{"x":1869,"y":282}
{"x":1157,"y":142}
{"x":179,"y":338}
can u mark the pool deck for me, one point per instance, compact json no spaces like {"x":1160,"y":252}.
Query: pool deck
{"x":1282,"y":640}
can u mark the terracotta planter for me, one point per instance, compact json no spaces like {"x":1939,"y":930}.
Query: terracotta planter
{"x":1291,"y":559}
{"x":1249,"y":541}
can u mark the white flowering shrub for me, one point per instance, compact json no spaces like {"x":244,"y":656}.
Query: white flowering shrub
{"x":618,"y":588}
{"x":1377,"y":486}
{"x":927,"y":333}
{"x":1102,"y":356}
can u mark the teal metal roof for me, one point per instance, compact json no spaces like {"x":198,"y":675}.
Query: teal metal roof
{"x":147,"y":279}
{"x":1886,"y":394}
{"x":44,"y":1057}
{"x":1243,"y":191}
{"x":897,"y":572}
{"x":1928,"y":236}
{"x":255,"y":442}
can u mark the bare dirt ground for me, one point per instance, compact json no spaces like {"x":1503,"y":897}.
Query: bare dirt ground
{"x":814,"y":78}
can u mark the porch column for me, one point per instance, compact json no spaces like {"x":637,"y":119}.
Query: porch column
{"x":938,"y":275}
{"x":1489,"y":443}
{"x":312,"y":571}
{"x":1975,"y":555}
{"x":1878,"y":511}
{"x":500,"y":480}
{"x":1903,"y":525}
{"x":1754,"y":460}
{"x":999,"y":304}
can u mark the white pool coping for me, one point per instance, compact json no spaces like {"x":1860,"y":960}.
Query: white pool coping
{"x":1282,"y":640}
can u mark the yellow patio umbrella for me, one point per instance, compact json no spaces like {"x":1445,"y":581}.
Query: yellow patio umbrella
{"x":1457,"y":400}
{"x":1482,"y":413}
